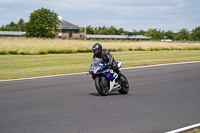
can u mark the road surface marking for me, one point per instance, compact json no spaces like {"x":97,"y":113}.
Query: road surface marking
{"x":184,"y":128}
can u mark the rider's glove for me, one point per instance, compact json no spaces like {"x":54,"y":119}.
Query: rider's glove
{"x":108,"y":64}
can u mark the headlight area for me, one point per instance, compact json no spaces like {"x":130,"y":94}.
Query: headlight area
{"x":95,"y":69}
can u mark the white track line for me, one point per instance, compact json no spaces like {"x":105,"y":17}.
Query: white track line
{"x":87,"y":72}
{"x":184,"y":128}
{"x":162,"y":65}
{"x":44,"y":77}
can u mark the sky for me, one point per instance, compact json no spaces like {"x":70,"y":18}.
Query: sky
{"x":127,"y":14}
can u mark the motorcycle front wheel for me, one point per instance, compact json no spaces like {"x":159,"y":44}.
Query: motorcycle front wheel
{"x":101,"y":85}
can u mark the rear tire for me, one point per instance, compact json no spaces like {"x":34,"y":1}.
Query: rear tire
{"x":101,"y":87}
{"x":124,"y":86}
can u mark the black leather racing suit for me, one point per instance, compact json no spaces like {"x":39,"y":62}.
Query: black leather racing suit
{"x":108,"y":59}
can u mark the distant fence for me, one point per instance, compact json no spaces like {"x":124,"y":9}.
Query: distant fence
{"x":116,"y":37}
{"x":12,"y":33}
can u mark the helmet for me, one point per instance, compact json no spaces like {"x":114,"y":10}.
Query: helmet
{"x":97,"y":48}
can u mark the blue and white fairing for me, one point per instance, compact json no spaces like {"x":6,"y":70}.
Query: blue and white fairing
{"x":97,"y":67}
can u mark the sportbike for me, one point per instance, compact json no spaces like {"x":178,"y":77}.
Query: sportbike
{"x":106,"y":80}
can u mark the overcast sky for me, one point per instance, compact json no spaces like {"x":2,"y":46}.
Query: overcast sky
{"x":127,"y":14}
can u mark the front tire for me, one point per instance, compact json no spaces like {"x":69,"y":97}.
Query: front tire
{"x":101,"y":85}
{"x":124,"y":85}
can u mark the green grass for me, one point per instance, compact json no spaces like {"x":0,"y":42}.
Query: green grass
{"x":24,"y":66}
{"x":196,"y":130}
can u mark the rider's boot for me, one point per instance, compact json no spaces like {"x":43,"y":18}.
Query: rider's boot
{"x":119,"y":79}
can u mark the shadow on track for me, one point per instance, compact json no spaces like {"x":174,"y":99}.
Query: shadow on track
{"x":110,"y":94}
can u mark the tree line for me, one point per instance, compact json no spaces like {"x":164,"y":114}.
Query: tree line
{"x":13,"y":26}
{"x":43,"y":23}
{"x":156,"y":34}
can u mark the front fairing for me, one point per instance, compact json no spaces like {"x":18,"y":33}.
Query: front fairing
{"x":96,"y":66}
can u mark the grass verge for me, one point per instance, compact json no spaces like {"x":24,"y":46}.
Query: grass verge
{"x":25,"y":66}
{"x":196,"y":130}
{"x":36,"y":46}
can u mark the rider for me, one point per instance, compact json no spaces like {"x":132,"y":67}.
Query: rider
{"x":106,"y":56}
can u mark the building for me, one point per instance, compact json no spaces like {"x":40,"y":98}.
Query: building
{"x":69,"y":30}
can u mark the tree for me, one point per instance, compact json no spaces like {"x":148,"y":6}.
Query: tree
{"x":103,"y":31}
{"x":152,"y":33}
{"x":89,"y":30}
{"x":183,"y":34}
{"x":42,"y":23}
{"x":13,"y":26}
{"x":161,"y":34}
{"x":155,"y":34}
{"x":112,"y":30}
{"x":135,"y":32}
{"x":95,"y":30}
{"x":10,"y":27}
{"x":120,"y":31}
{"x":142,"y":32}
{"x":21,"y":24}
{"x":195,"y":34}
{"x":170,"y":35}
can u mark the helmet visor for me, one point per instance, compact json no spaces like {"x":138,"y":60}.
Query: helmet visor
{"x":95,"y":51}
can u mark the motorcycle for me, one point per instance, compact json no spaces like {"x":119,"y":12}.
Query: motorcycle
{"x":106,"y":80}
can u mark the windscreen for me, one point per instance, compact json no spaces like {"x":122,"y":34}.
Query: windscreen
{"x":96,"y":61}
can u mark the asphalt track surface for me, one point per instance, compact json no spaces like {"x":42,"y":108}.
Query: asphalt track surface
{"x":161,"y":99}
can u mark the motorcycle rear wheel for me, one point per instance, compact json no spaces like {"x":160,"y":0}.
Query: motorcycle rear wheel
{"x":101,"y":85}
